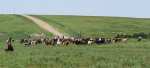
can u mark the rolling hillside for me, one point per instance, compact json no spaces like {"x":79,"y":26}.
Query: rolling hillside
{"x":16,"y":27}
{"x":131,"y":54}
{"x":92,"y":25}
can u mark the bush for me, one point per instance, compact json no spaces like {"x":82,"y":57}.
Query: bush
{"x":143,"y":35}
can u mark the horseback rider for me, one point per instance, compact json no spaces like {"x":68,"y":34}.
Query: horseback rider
{"x":9,"y":46}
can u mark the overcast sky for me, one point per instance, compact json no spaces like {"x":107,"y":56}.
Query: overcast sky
{"x":125,"y":8}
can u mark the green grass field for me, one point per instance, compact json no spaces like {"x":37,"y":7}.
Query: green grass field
{"x":121,"y":55}
{"x":16,"y":27}
{"x":132,"y":54}
{"x":96,"y":26}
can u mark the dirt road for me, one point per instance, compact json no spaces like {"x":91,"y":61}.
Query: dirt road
{"x":43,"y":25}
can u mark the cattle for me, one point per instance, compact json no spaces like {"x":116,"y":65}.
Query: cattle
{"x":100,"y":40}
{"x":77,"y":41}
{"x":60,"y":41}
{"x":53,"y":41}
{"x":23,"y":40}
{"x":33,"y":39}
{"x":46,"y":41}
{"x":67,"y":41}
{"x":34,"y":42}
{"x":80,"y":41}
{"x":120,"y":40}
{"x":124,"y":39}
{"x":140,"y":38}
{"x":108,"y":40}
{"x":26,"y":42}
{"x":90,"y":41}
{"x":117,"y":40}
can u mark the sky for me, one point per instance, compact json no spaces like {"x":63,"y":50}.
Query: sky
{"x":121,"y":8}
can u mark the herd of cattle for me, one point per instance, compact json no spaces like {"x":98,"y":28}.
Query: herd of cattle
{"x":70,"y":40}
{"x":59,"y":41}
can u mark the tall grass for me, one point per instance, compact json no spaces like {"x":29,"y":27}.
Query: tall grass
{"x":121,"y":55}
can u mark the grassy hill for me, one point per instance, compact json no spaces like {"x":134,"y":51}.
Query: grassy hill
{"x":16,"y":26}
{"x":132,"y":54}
{"x":93,"y":25}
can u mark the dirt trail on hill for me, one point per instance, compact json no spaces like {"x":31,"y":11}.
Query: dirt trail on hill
{"x":43,"y":25}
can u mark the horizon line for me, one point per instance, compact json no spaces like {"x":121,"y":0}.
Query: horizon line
{"x":72,"y":15}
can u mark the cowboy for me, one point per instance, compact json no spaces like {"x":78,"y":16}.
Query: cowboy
{"x":9,"y":46}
